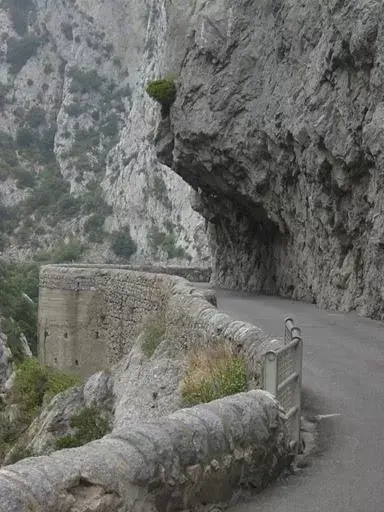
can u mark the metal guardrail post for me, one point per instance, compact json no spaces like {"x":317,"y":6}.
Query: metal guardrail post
{"x":278,"y":385}
{"x":270,"y":372}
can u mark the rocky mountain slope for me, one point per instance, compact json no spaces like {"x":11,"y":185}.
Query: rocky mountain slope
{"x":278,"y":126}
{"x":77,"y":163}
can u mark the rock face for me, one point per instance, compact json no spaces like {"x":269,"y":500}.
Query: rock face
{"x":278,"y":126}
{"x":184,"y":461}
{"x":5,"y":361}
{"x":77,"y":159}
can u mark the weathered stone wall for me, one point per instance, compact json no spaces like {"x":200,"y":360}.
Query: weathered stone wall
{"x":195,"y":274}
{"x":89,"y":317}
{"x":191,"y":458}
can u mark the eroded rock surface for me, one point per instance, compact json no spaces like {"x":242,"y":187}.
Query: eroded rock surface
{"x":278,"y":126}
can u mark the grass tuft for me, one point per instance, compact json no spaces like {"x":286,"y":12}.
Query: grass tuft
{"x":213,"y":372}
{"x":154,"y":329}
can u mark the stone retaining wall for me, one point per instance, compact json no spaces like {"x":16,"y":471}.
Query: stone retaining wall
{"x":90,"y":316}
{"x":189,"y":459}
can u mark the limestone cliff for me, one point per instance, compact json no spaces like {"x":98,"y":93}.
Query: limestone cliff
{"x":278,"y":126}
{"x":77,"y":161}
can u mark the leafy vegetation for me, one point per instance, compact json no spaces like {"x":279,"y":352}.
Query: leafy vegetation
{"x":51,"y":197}
{"x":89,"y":424}
{"x":19,"y":11}
{"x":19,"y":51}
{"x":165,"y":241}
{"x":110,"y":127}
{"x":68,"y":252}
{"x":75,"y":109}
{"x":213,"y":372}
{"x":94,"y":227}
{"x":35,"y":117}
{"x":65,"y":252}
{"x":159,"y":191}
{"x":18,"y":303}
{"x":34,"y":384}
{"x":84,"y":81}
{"x":154,"y":328}
{"x":122,"y":243}
{"x":164,"y":92}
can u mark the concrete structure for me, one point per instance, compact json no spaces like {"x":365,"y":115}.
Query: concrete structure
{"x":189,"y":459}
{"x":90,"y":315}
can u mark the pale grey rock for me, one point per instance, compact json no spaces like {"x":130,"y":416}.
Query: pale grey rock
{"x":98,"y":391}
{"x":5,"y":361}
{"x":238,"y":441}
{"x":278,"y":126}
{"x":123,"y":42}
{"x":25,"y":348}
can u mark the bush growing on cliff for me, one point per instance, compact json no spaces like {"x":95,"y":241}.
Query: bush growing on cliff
{"x":68,"y":252}
{"x":122,"y":244}
{"x":35,"y":383}
{"x":19,"y":51}
{"x":84,"y":81}
{"x":164,"y":92}
{"x":35,"y":117}
{"x":19,"y":11}
{"x":213,"y":372}
{"x":89,"y":424}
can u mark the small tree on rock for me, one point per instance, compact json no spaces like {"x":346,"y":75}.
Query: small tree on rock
{"x":164,"y":92}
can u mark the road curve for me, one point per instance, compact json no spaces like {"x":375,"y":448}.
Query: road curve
{"x":343,"y":374}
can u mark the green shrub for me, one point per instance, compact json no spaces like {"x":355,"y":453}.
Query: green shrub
{"x":93,"y":200}
{"x":122,"y":243}
{"x":213,"y":373}
{"x":94,"y":227}
{"x":154,"y":328}
{"x":35,"y":117}
{"x":10,"y":433}
{"x":89,"y":424}
{"x":85,"y":141}
{"x":68,"y":252}
{"x":164,"y":92}
{"x":45,"y":200}
{"x":75,"y":109}
{"x":67,"y":30}
{"x":35,"y":383}
{"x":84,"y":81}
{"x":19,"y":20}
{"x":24,"y":178}
{"x":111,"y":126}
{"x":19,"y":11}
{"x":21,"y":50}
{"x":48,"y":68}
{"x":4,"y":89}
{"x":26,"y":138}
{"x":19,"y":284}
{"x":160,"y":240}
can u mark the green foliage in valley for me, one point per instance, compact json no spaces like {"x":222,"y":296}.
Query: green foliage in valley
{"x":18,"y":303}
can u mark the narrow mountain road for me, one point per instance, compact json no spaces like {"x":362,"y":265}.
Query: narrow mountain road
{"x":344,"y":375}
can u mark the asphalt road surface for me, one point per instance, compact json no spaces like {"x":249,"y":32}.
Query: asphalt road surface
{"x":343,"y":375}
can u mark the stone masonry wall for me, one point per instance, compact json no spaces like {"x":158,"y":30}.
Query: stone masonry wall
{"x":90,"y":316}
{"x":189,"y":459}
